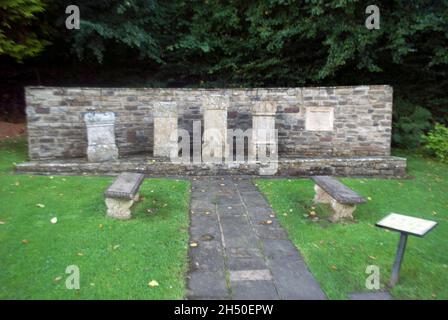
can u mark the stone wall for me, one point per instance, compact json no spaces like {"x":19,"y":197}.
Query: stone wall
{"x":361,"y":118}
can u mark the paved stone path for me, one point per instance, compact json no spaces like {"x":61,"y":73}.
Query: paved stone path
{"x":379,"y":295}
{"x":239,"y":255}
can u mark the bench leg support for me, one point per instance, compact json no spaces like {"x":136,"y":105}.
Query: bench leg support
{"x":341,"y":211}
{"x":321,"y":196}
{"x":119,"y":208}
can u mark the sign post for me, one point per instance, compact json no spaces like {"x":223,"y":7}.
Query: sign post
{"x":406,"y":225}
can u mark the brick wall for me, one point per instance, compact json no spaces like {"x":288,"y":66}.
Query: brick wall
{"x":361,"y":127}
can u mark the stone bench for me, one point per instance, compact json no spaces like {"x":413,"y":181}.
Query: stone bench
{"x":342,"y":199}
{"x":121,"y":195}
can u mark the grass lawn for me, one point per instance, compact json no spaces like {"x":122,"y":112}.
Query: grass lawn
{"x":116,"y":259}
{"x":338,"y":254}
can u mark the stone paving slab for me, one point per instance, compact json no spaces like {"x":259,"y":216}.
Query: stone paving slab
{"x":380,"y":295}
{"x":254,"y":290}
{"x":242,"y":251}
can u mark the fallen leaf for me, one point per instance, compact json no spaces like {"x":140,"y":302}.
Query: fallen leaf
{"x":2,"y":222}
{"x":153,"y":283}
{"x":312,"y":213}
{"x":116,"y":246}
{"x":266,"y":222}
{"x":40,"y":205}
{"x":334,"y":267}
{"x":80,"y":254}
{"x":58,"y":278}
{"x":372,"y":257}
{"x":207,"y":237}
{"x":24,"y":241}
{"x":369,"y":198}
{"x":54,"y":220}
{"x":100,"y":226}
{"x":193,"y":244}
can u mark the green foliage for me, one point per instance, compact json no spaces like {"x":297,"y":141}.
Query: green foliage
{"x":267,"y":42}
{"x":436,"y":142}
{"x":126,"y":27}
{"x":18,"y":21}
{"x":410,"y":122}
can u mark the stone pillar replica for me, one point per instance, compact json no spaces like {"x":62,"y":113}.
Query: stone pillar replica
{"x":215,"y":145}
{"x":264,"y":139}
{"x":101,"y":136}
{"x":165,"y":128}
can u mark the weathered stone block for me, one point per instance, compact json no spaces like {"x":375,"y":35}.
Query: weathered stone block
{"x":215,"y":146}
{"x":101,"y":136}
{"x":165,"y":128}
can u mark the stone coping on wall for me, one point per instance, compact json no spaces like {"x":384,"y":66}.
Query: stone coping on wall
{"x":379,"y":86}
{"x":381,"y":167}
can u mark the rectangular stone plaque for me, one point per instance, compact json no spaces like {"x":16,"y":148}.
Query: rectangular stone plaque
{"x":411,"y":225}
{"x":319,"y":119}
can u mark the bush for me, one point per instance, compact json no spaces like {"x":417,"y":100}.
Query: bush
{"x":410,"y":123}
{"x":437,"y":142}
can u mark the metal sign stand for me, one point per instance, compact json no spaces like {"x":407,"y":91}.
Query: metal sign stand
{"x":406,"y":225}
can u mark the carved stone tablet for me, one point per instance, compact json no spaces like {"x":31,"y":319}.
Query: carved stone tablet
{"x":411,"y":225}
{"x":101,"y":136}
{"x":165,"y":128}
{"x":319,"y":119}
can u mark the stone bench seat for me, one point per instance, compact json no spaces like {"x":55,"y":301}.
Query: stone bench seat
{"x":122,"y":193}
{"x":342,"y":199}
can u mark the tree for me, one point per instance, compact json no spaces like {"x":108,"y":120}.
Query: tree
{"x":126,"y":27}
{"x":19,"y":19}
